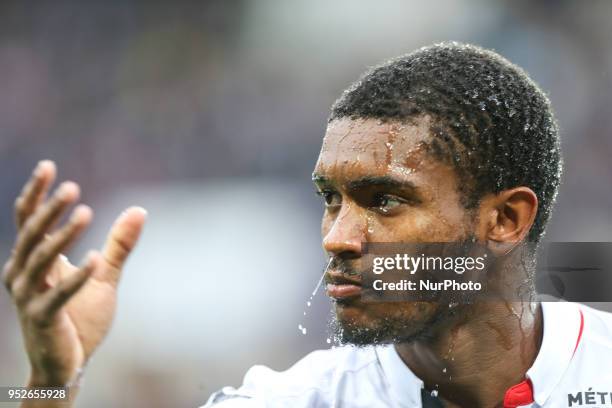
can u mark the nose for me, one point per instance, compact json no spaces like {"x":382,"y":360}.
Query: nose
{"x":347,"y":232}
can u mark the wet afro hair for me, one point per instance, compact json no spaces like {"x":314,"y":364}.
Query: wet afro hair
{"x":488,"y":118}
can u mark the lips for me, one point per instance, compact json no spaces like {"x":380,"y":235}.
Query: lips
{"x":339,"y":286}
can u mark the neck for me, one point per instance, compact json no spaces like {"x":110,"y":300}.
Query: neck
{"x":472,"y":360}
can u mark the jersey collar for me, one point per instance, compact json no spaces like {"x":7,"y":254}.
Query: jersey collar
{"x":563,"y":325}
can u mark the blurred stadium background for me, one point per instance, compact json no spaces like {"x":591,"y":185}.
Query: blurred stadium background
{"x":210,"y":115}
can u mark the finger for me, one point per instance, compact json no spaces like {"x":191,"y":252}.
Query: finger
{"x":34,"y":191}
{"x":47,"y":251}
{"x":121,"y":241}
{"x":8,"y":274}
{"x":52,"y":300}
{"x":44,"y":217}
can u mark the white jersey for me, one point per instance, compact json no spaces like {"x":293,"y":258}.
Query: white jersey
{"x":572,"y":369}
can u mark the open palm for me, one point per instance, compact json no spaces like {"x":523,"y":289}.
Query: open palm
{"x":64,"y":310}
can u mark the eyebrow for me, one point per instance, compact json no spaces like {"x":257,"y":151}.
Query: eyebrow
{"x":380,"y":181}
{"x":368,"y":181}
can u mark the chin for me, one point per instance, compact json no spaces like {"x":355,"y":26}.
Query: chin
{"x":364,"y":324}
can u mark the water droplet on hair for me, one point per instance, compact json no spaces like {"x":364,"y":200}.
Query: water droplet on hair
{"x":494,"y":99}
{"x":473,"y":94}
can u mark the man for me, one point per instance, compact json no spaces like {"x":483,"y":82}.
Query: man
{"x":451,"y":143}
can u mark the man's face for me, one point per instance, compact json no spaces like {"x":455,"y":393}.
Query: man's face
{"x":380,"y":185}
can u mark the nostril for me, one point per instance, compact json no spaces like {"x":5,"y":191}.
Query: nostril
{"x":348,"y":255}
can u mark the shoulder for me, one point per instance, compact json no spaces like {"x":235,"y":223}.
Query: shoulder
{"x":314,"y":380}
{"x":320,"y":369}
{"x":588,"y":376}
{"x":597,"y":331}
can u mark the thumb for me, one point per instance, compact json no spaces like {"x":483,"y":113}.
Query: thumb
{"x":121,"y":240}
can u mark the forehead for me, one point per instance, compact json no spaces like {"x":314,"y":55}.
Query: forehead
{"x":368,"y":147}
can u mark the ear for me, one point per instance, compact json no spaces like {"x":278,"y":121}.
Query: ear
{"x":507,"y":217}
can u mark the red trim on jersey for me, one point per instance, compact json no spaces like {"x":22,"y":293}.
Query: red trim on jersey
{"x":580,"y":332}
{"x":522,"y":393}
{"x":519,"y":394}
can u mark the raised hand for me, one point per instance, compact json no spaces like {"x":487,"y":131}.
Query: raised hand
{"x":65,"y":311}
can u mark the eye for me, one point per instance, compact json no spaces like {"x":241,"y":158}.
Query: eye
{"x":331,"y":198}
{"x":386,"y":203}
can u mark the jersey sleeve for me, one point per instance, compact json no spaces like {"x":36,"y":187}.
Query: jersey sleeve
{"x":251,"y":394}
{"x":262,"y":386}
{"x":229,"y":397}
{"x":310,"y":382}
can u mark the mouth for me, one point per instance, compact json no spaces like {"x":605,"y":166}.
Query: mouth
{"x":341,"y":287}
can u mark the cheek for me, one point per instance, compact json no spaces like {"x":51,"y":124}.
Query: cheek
{"x":418,"y":225}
